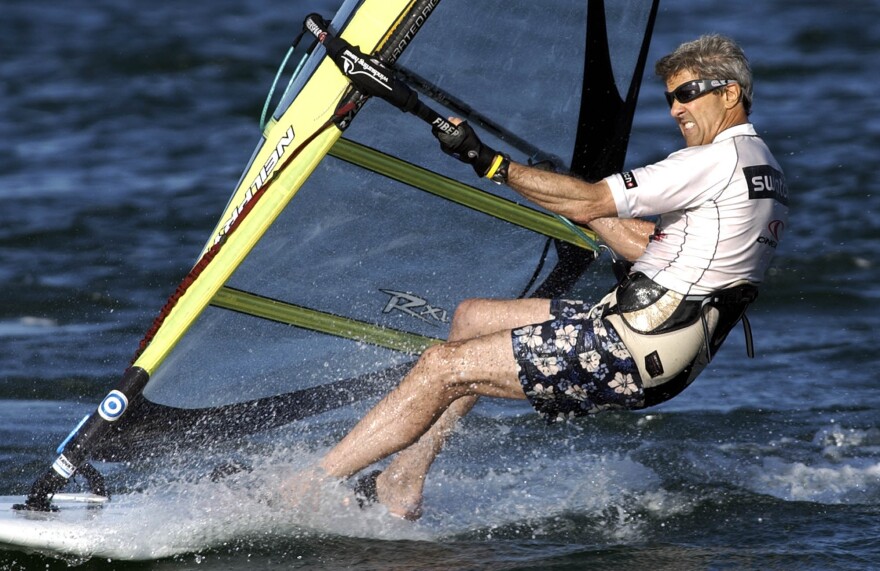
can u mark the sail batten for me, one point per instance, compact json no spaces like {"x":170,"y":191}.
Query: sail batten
{"x":459,"y":192}
{"x":320,"y":321}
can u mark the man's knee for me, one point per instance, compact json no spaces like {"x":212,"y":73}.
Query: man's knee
{"x":438,"y":373}
{"x":466,"y":319}
{"x":467,"y":309}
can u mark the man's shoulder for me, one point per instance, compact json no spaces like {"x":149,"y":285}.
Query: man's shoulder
{"x":725,"y":149}
{"x":702,"y":157}
{"x":751,"y":148}
{"x":741,"y":130}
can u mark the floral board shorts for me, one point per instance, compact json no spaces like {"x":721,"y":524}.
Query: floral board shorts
{"x":575,"y":364}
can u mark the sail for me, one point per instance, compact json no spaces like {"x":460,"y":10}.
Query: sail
{"x":350,"y":238}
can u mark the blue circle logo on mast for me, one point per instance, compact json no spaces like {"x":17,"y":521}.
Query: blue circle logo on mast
{"x":113,"y":405}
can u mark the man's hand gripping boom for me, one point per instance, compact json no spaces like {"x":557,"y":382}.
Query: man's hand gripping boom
{"x":373,"y":78}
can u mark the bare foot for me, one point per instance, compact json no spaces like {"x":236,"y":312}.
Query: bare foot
{"x":401,"y":494}
{"x":299,"y":490}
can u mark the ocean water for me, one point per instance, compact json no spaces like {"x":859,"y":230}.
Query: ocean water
{"x":124,"y":126}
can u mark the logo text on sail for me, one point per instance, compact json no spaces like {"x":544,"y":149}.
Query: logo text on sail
{"x":263,"y":176}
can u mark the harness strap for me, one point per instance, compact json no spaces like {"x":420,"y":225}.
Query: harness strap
{"x":747,"y":330}
{"x":732,"y":304}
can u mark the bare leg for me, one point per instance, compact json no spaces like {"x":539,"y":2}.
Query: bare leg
{"x":401,"y":485}
{"x":478,"y":367}
{"x":453,"y":376}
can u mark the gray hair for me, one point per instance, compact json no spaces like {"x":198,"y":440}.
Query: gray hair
{"x":710,"y":57}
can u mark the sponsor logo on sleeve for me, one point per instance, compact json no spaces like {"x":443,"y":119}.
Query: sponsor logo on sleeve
{"x":629,"y":180}
{"x":765,"y":181}
{"x":775,"y":228}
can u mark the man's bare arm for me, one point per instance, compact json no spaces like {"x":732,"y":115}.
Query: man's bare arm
{"x":573,"y":198}
{"x":567,"y":196}
{"x":582,"y":202}
{"x":628,"y":237}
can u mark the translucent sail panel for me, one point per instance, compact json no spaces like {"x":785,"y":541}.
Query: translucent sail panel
{"x":520,"y":65}
{"x":230,"y":357}
{"x":351,"y":233}
{"x":516,"y":71}
{"x":626,"y":22}
{"x":358,"y":246}
{"x":364,"y":256}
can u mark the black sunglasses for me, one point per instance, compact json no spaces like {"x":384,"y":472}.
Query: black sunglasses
{"x":690,"y":90}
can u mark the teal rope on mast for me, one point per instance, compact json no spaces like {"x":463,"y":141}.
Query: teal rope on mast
{"x":275,"y":83}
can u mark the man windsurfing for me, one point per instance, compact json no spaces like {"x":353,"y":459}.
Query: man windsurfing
{"x":721,"y":204}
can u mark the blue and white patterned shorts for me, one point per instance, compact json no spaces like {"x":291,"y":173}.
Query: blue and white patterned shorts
{"x":575,"y":364}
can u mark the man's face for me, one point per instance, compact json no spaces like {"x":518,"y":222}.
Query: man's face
{"x":703,"y":118}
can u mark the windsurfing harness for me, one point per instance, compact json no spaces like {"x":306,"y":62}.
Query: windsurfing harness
{"x":650,"y":311}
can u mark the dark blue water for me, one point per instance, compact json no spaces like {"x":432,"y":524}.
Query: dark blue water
{"x":124,"y":126}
